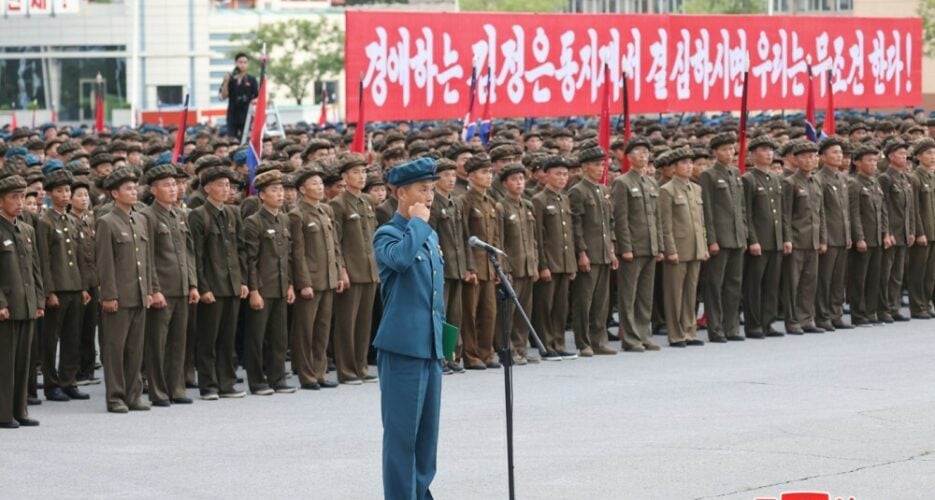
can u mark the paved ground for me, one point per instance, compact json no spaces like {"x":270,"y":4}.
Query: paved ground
{"x":851,"y":413}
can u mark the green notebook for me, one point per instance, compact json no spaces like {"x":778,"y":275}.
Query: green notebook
{"x":449,"y":340}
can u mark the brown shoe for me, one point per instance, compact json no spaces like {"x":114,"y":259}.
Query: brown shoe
{"x":652,"y":347}
{"x":635,"y":348}
{"x":587,"y":352}
{"x":604,"y":351}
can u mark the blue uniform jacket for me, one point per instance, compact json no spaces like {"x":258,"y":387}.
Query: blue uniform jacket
{"x":412,"y":285}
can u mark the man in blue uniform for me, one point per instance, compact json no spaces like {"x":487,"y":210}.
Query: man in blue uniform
{"x":409,"y":339}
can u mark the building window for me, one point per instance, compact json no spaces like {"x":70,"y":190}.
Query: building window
{"x":169,"y":95}
{"x":845,"y":4}
{"x":330,"y":87}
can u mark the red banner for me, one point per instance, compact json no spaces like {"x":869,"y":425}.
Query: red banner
{"x":418,"y":66}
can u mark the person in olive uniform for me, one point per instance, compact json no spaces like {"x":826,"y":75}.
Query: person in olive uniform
{"x":636,"y":230}
{"x":726,"y":230}
{"x":217,"y":233}
{"x":518,"y":228}
{"x":900,"y":210}
{"x":317,"y":267}
{"x":268,"y":249}
{"x":592,"y":221}
{"x":479,"y":302}
{"x":355,"y":221}
{"x":684,"y":244}
{"x":870,"y":233}
{"x":448,"y":221}
{"x":557,"y":263}
{"x":22,"y":301}
{"x":125,"y":268}
{"x":805,"y":237}
{"x":832,"y":265}
{"x":59,"y":251}
{"x":921,"y":271}
{"x":175,"y":288}
{"x":90,"y":317}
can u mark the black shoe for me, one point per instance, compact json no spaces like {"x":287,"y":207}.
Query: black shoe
{"x":612,"y":338}
{"x":813,"y":329}
{"x":182,"y":401}
{"x":840,"y":325}
{"x":661,"y":331}
{"x":284,"y":389}
{"x":311,"y":387}
{"x":774,"y":333}
{"x":446,"y":370}
{"x":755,"y":335}
{"x":922,"y":315}
{"x":118,"y":409}
{"x":568,"y":355}
{"x":861,"y":323}
{"x":736,"y":338}
{"x":886,"y":318}
{"x":455,"y":367}
{"x":27,"y":422}
{"x":74,"y":393}
{"x":552,"y":356}
{"x":826,"y":325}
{"x":794,"y":331}
{"x":677,"y":344}
{"x":695,"y":342}
{"x":31,"y":401}
{"x":327,"y":384}
{"x":613,"y":323}
{"x":494,"y":365}
{"x":717,"y":339}
{"x":9,"y":425}
{"x":899,"y":317}
{"x":57,"y":395}
{"x":162,"y":403}
{"x":239,"y":380}
{"x":189,"y":385}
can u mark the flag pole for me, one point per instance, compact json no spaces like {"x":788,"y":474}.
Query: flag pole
{"x":742,"y":139}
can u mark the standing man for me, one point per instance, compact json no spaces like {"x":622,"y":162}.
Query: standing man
{"x":921,"y":280}
{"x":217,"y":233}
{"x":897,"y":192}
{"x":684,"y":245}
{"x":803,"y":223}
{"x":636,"y":229}
{"x":22,"y":301}
{"x":125,"y":268}
{"x":726,"y":229}
{"x":175,"y":288}
{"x":240,"y":89}
{"x":408,"y":352}
{"x":871,"y":235}
{"x":832,"y":265}
{"x":268,"y":246}
{"x":592,"y":220}
{"x":355,"y":220}
{"x":317,"y":267}
{"x":557,"y":263}
{"x":518,"y":227}
{"x":90,"y":317}
{"x":763,"y":270}
{"x":59,"y":251}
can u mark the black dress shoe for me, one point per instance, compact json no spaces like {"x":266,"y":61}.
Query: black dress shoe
{"x":31,"y":401}
{"x":9,"y":425}
{"x":189,"y":385}
{"x":813,"y":329}
{"x":899,"y":317}
{"x":612,"y":338}
{"x":494,"y":365}
{"x":74,"y":393}
{"x":775,"y":333}
{"x":861,"y":323}
{"x":327,"y":384}
{"x":756,"y":335}
{"x":717,"y":339}
{"x":182,"y":401}
{"x":695,"y":342}
{"x":27,"y":422}
{"x":57,"y":395}
{"x":840,"y":325}
{"x":736,"y":338}
{"x":920,"y":316}
{"x":826,"y":325}
{"x":162,"y":403}
{"x":677,"y":344}
{"x":311,"y":387}
{"x":794,"y":331}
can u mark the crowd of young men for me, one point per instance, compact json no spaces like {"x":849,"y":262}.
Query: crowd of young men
{"x":182,"y":271}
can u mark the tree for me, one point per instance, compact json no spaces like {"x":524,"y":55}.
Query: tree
{"x":926,"y":11}
{"x":300,"y":51}
{"x":725,"y":6}
{"x":513,"y":5}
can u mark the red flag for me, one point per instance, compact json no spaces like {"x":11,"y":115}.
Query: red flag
{"x":255,"y":148}
{"x":99,"y":105}
{"x":829,"y":125}
{"x":625,"y":163}
{"x":357,"y":146}
{"x":742,"y":139}
{"x":13,"y":123}
{"x":603,"y":127}
{"x":810,"y":131}
{"x":180,"y":134}
{"x":323,"y":117}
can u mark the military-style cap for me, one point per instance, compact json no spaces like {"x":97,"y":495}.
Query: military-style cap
{"x":119,"y":177}
{"x":531,"y":134}
{"x":512,"y":168}
{"x":561,"y":132}
{"x":592,"y":154}
{"x":304,"y":174}
{"x":557,"y":161}
{"x":117,"y":146}
{"x":77,"y":167}
{"x":393,"y":153}
{"x":56,"y":178}
{"x":161,"y":172}
{"x":12,"y":183}
{"x":637,"y":141}
{"x":673,"y":156}
{"x":207,"y":161}
{"x":67,"y":147}
{"x":722,"y":139}
{"x":374,"y":179}
{"x":863,"y":150}
{"x":418,"y":148}
{"x":761,"y":141}
{"x":421,"y":169}
{"x":212,"y":174}
{"x":505,"y":151}
{"x":857,"y":126}
{"x":266,"y":179}
{"x":52,"y":165}
{"x":915,"y":128}
{"x":803,"y":147}
{"x":830,"y":143}
{"x":80,"y":183}
{"x":445,"y":164}
{"x":17,"y":151}
{"x":923,"y":146}
{"x":894,"y":146}
{"x":18,"y":134}
{"x":699,"y":153}
{"x":315,"y":145}
{"x":477,"y":162}
{"x":458,"y":150}
{"x":348,"y":161}
{"x":100,"y":159}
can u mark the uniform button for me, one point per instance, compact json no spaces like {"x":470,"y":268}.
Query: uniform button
{"x":140,"y":278}
{"x":138,"y":263}
{"x":67,"y":240}
{"x":69,"y":264}
{"x":66,"y":229}
{"x":69,"y":252}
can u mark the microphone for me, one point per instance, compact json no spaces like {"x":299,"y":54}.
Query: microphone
{"x":476,"y":242}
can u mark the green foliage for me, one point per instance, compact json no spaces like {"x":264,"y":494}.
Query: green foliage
{"x":301,"y":51}
{"x":926,"y":11}
{"x":725,"y":6}
{"x":513,"y":5}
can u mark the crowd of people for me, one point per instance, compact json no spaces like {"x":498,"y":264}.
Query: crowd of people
{"x":181,"y":271}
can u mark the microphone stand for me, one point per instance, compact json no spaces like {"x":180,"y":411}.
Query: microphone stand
{"x":506,"y":295}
